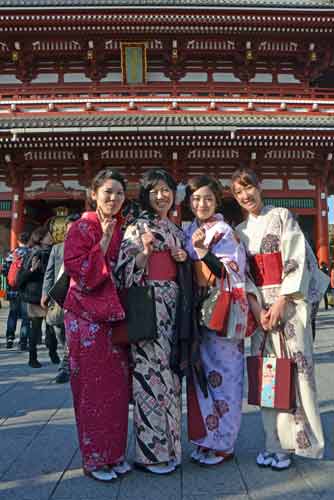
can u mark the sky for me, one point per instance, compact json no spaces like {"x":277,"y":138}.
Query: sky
{"x":331,"y":210}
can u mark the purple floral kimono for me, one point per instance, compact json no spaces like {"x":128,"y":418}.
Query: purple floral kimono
{"x":223,"y":358}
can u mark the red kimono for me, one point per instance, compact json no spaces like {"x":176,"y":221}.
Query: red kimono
{"x":99,"y":370}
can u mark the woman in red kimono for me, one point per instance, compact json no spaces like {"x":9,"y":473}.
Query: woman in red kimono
{"x":99,"y":369}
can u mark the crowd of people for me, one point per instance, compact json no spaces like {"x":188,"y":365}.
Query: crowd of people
{"x":31,"y":270}
{"x":210,"y":285}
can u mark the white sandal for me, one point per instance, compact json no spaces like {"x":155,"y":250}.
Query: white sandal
{"x":197,"y":455}
{"x":122,"y":468}
{"x":102,"y":475}
{"x":281,"y":461}
{"x":265,"y":459}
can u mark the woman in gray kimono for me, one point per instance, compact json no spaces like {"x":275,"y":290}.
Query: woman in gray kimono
{"x":151,"y":246}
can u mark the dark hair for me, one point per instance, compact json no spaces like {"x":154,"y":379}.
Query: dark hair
{"x":105,"y":175}
{"x":149,"y":180}
{"x":72,"y":218}
{"x":245,"y":177}
{"x":100,"y":178}
{"x":24,"y":237}
{"x":37,"y":235}
{"x":204,"y":181}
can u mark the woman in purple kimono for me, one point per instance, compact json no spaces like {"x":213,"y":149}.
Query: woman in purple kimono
{"x":218,"y":257}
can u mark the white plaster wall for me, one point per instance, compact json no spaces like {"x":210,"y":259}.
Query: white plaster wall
{"x":300,"y":184}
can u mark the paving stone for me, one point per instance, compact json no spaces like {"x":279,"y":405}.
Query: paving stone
{"x":39,"y":457}
{"x":266,"y":483}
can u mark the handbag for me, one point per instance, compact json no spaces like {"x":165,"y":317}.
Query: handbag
{"x":215,"y":308}
{"x":330,"y":298}
{"x":120,"y":334}
{"x":55,"y":315}
{"x":59,"y":290}
{"x":271,"y":380}
{"x":140,"y":316}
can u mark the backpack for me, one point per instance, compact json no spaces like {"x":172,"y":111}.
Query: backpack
{"x":14,"y":270}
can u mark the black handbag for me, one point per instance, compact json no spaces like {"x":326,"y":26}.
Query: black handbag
{"x":140,"y":313}
{"x":59,"y":290}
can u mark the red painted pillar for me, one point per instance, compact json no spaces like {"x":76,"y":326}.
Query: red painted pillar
{"x":88,"y":176}
{"x":322,"y":244}
{"x":176,"y":216}
{"x":17,"y":213}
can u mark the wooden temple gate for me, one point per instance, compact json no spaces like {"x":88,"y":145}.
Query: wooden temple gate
{"x":192,"y":91}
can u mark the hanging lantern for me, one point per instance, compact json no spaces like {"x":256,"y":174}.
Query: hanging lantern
{"x":57,"y":224}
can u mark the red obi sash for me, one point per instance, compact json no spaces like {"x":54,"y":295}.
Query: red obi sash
{"x":267,"y":268}
{"x":161,"y":266}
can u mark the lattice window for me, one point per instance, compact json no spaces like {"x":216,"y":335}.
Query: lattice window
{"x":47,"y":45}
{"x":139,"y":154}
{"x":213,"y":153}
{"x":290,"y":155}
{"x":211,"y":45}
{"x":278,"y":46}
{"x":49,"y":155}
{"x":290,"y":202}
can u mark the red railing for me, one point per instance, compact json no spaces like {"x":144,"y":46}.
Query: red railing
{"x":210,"y":90}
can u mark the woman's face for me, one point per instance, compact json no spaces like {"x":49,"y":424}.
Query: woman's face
{"x":249,"y":197}
{"x":109,"y":198}
{"x":203,"y":203}
{"x":161,"y":198}
{"x":47,"y":240}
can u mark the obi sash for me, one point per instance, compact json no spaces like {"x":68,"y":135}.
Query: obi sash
{"x":161,"y":266}
{"x":267,"y":268}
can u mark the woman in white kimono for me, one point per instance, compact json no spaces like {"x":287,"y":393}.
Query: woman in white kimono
{"x":280,"y":264}
{"x":218,"y":255}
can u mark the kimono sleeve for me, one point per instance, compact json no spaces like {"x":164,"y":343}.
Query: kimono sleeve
{"x":296,"y":275}
{"x":126,"y":270}
{"x":84,"y":260}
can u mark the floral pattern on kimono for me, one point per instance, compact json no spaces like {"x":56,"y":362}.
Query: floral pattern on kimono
{"x":100,"y":387}
{"x":276,"y":230}
{"x":99,"y":371}
{"x":221,"y":241}
{"x":156,"y":389}
{"x":223,"y":358}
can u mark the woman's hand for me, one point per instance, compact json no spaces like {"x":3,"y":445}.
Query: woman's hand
{"x":108,"y":226}
{"x":198,"y":239}
{"x":147,"y":240}
{"x":44,"y":301}
{"x":264,"y":319}
{"x":178,"y":254}
{"x":276,"y":313}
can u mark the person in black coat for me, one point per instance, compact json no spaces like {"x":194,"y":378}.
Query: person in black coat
{"x":30,"y":281}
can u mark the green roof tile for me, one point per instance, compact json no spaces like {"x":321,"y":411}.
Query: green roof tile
{"x":186,"y":121}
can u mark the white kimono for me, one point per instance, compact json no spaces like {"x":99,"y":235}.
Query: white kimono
{"x":275,"y":231}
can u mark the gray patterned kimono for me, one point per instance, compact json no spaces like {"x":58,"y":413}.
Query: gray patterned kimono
{"x":156,"y":389}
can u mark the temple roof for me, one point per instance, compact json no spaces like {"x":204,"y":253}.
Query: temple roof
{"x":26,"y":4}
{"x":163,"y":123}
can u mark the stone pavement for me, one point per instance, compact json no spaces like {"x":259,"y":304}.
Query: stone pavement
{"x":39,"y":458}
